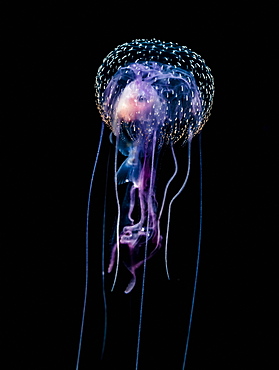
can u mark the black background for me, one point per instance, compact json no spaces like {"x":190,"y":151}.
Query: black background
{"x":53,"y":127}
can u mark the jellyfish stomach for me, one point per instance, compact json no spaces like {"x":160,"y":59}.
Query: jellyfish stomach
{"x":138,"y":101}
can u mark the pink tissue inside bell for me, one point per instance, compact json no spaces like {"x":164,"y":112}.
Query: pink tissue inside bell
{"x":138,"y":101}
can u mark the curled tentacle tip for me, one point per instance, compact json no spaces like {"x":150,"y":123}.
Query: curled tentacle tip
{"x":131,"y":285}
{"x":110,"y":267}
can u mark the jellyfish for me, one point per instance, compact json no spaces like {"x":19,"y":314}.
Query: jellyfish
{"x":152,"y":95}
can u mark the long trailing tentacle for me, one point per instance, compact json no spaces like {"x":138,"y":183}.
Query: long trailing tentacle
{"x":103,"y":260}
{"x":118,"y":213}
{"x":197,"y":262}
{"x":149,"y":202}
{"x":165,"y":192}
{"x":172,"y":200}
{"x":86,"y":246}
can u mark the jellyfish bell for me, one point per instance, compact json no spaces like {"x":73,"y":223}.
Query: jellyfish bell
{"x":162,"y":65}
